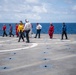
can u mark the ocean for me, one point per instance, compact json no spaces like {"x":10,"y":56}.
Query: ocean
{"x":71,"y":28}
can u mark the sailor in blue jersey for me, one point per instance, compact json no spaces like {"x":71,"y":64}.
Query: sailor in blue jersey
{"x":64,"y":31}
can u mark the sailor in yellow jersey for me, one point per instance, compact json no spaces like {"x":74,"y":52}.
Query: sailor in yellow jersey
{"x":21,"y":30}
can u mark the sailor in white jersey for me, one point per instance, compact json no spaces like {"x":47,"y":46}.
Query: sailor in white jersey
{"x":27,"y":29}
{"x":38,"y":28}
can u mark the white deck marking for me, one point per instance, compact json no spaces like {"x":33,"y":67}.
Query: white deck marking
{"x":25,"y":66}
{"x":8,"y":40}
{"x":64,"y":57}
{"x":33,"y":45}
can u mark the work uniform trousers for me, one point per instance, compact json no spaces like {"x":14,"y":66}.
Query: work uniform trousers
{"x":4,"y":33}
{"x":27,"y":35}
{"x":21,"y":36}
{"x":38,"y":33}
{"x":10,"y":33}
{"x":64,"y":33}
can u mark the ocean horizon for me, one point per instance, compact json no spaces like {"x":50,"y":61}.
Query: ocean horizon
{"x":71,"y":28}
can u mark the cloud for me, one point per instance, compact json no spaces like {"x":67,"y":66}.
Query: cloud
{"x":21,"y":16}
{"x":69,"y":1}
{"x":36,"y":10}
{"x":6,"y":1}
{"x":23,"y":8}
{"x":74,"y":7}
{"x":33,"y":16}
{"x":0,"y":6}
{"x":39,"y":9}
{"x":31,"y":1}
{"x":28,"y":16}
{"x":56,"y":12}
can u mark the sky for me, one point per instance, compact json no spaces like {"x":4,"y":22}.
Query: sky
{"x":43,"y":11}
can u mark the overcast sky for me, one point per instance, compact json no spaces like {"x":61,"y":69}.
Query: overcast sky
{"x":38,"y":10}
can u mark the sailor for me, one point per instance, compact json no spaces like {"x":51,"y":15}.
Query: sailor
{"x":38,"y":30}
{"x":51,"y":31}
{"x":11,"y":29}
{"x":4,"y":30}
{"x":17,"y":30}
{"x":64,"y":31}
{"x":27,"y":28}
{"x":20,"y":30}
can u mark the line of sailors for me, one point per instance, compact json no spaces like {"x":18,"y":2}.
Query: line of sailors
{"x":21,"y":28}
{"x":10,"y":31}
{"x":64,"y":31}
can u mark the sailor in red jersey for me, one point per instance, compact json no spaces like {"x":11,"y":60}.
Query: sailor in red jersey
{"x":4,"y":30}
{"x":51,"y":31}
{"x":17,"y":30}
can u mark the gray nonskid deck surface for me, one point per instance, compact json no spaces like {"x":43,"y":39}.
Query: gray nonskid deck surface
{"x":42,"y":56}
